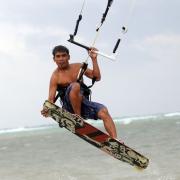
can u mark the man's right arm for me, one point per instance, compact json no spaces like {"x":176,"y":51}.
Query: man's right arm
{"x":52,"y":93}
{"x":52,"y":88}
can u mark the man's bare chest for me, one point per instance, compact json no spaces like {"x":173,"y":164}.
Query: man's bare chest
{"x":67,"y":77}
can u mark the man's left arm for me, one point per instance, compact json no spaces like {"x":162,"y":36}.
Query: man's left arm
{"x":95,"y":72}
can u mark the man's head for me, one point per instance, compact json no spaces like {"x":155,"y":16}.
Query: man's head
{"x":61,"y":56}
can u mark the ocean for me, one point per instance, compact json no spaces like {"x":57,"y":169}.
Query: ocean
{"x":53,"y":153}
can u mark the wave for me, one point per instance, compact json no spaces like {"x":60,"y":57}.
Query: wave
{"x":23,"y":129}
{"x":165,"y":116}
{"x":123,"y":120}
{"x":128,"y":120}
{"x":172,"y":114}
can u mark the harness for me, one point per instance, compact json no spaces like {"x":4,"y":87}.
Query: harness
{"x":86,"y":90}
{"x":61,"y":93}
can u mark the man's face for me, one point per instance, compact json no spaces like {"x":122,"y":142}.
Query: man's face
{"x":62,"y":59}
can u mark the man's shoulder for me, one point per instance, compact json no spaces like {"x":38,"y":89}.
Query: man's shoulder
{"x":76,"y":64}
{"x":54,"y":74}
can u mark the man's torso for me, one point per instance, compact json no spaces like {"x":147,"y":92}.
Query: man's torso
{"x":67,"y":76}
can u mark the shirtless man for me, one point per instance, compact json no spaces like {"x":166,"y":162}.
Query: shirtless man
{"x":65,"y":76}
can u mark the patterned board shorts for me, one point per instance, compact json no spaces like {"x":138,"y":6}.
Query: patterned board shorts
{"x":89,"y":109}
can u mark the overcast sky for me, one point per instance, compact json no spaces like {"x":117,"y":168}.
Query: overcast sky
{"x":144,"y":80}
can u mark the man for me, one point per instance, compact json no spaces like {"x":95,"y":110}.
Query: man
{"x":64,"y":78}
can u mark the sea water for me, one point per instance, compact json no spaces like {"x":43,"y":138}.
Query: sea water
{"x":53,"y":153}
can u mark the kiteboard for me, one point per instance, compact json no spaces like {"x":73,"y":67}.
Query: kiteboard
{"x":78,"y":126}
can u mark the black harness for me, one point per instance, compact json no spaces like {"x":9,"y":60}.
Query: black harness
{"x":86,"y":90}
{"x":61,"y":93}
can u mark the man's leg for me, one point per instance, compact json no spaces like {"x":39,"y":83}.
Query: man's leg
{"x":108,"y":122}
{"x":75,"y":98}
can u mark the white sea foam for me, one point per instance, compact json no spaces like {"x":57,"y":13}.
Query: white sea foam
{"x":172,"y":114}
{"x":22,"y":129}
{"x":127,"y":120}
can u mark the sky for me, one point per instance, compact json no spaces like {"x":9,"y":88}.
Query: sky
{"x":143,"y":80}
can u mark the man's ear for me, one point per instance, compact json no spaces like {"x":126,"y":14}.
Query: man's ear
{"x":53,"y":58}
{"x":69,"y":57}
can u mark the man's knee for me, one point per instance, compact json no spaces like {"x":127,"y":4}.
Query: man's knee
{"x":75,"y":91}
{"x":75,"y":87}
{"x":103,"y":113}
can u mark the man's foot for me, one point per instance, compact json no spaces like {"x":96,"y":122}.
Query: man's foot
{"x":79,"y":120}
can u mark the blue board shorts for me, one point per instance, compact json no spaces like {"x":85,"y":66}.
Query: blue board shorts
{"x":89,"y":109}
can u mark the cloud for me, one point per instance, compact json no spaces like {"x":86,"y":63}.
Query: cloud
{"x":10,"y":41}
{"x":16,"y":40}
{"x":162,"y":39}
{"x":159,"y":46}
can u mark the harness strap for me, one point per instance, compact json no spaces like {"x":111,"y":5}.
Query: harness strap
{"x":57,"y":96}
{"x":81,"y":73}
{"x":61,"y":93}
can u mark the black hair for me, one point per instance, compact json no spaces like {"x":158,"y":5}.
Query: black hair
{"x":60,"y":48}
